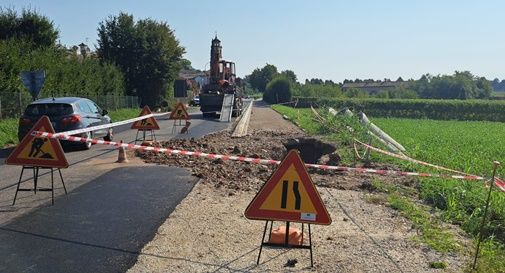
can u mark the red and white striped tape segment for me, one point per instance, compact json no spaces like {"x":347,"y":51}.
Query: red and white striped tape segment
{"x":404,"y":157}
{"x":110,"y":125}
{"x":499,"y":183}
{"x":250,"y":160}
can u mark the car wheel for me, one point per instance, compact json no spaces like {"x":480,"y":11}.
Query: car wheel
{"x":109,"y":135}
{"x":87,"y":145}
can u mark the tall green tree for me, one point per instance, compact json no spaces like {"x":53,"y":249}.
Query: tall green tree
{"x":461,"y":85}
{"x":146,"y":51}
{"x":290,"y":75}
{"x":259,"y":78}
{"x":35,"y":29}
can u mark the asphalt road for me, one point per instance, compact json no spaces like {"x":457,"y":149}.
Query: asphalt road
{"x":111,"y":210}
{"x":99,"y":227}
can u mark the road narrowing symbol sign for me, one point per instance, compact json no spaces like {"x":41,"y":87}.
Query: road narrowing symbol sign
{"x":179,"y":112}
{"x":289,"y":195}
{"x":146,"y":124}
{"x":39,"y":151}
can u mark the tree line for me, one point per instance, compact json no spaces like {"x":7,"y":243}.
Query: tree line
{"x":133,"y":57}
{"x":498,"y":85}
{"x":281,"y":86}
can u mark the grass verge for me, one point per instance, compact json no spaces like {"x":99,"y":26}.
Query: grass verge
{"x":8,"y":132}
{"x":431,"y":233}
{"x":468,"y":146}
{"x":123,"y":114}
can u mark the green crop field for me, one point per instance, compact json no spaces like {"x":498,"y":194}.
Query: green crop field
{"x":468,"y":146}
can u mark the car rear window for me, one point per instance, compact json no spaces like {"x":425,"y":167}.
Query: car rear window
{"x":50,"y":109}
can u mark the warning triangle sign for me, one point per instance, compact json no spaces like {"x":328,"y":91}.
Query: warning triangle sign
{"x":289,"y":195}
{"x":39,"y":151}
{"x":179,"y":112}
{"x":146,"y":124}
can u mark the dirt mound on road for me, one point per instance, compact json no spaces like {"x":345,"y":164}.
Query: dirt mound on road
{"x":234,"y":175}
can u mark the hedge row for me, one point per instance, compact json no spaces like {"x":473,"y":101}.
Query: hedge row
{"x":417,"y":108}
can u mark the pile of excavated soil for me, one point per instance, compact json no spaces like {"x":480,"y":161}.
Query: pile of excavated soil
{"x":234,"y":175}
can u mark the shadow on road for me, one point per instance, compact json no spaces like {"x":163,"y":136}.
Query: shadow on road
{"x":4,"y":153}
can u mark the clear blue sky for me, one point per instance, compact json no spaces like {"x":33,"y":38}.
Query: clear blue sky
{"x":316,"y":39}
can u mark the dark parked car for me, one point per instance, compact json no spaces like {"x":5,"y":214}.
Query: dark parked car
{"x":65,"y":114}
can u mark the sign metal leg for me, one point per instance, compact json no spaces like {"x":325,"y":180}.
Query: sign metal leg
{"x":62,"y":182}
{"x":310,"y":245}
{"x":302,"y":232}
{"x":261,"y":245}
{"x":19,"y":183}
{"x":286,"y":238}
{"x":137,"y":136}
{"x":35,"y":179}
{"x":52,"y":187}
{"x":270,"y":233}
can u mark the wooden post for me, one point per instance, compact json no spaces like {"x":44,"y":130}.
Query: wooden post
{"x":495,"y":166}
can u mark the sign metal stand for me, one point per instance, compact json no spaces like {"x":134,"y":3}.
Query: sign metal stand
{"x":144,"y":135}
{"x":286,"y":241}
{"x":35,"y":181}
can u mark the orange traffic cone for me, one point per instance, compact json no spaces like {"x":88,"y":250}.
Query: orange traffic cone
{"x":121,"y":158}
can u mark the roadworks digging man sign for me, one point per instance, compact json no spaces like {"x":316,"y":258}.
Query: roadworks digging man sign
{"x":179,"y":112}
{"x":146,"y":124}
{"x":39,"y":151}
{"x":36,"y":153}
{"x":289,"y":195}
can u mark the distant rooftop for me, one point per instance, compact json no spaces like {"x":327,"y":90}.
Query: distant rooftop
{"x":190,"y":74}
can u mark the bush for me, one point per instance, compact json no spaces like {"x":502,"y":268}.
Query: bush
{"x":278,"y":91}
{"x":65,"y":73}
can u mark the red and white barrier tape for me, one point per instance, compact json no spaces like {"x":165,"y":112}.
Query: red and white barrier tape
{"x":499,"y":183}
{"x":110,"y":125}
{"x":251,"y":160}
{"x":404,"y":157}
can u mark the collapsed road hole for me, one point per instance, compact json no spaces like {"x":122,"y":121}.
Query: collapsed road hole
{"x":311,"y":149}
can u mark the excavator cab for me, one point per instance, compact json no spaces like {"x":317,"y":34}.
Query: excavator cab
{"x":226,"y":73}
